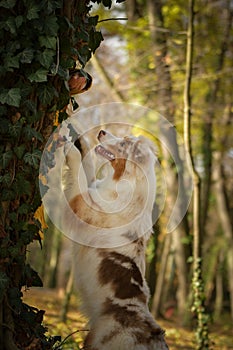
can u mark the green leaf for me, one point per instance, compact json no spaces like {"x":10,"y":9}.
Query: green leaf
{"x":39,"y":76}
{"x":7,"y":195}
{"x":4,"y":282}
{"x":24,"y":209}
{"x":15,"y":129}
{"x":45,"y":57}
{"x":18,"y":21}
{"x":11,"y":97}
{"x":51,"y":26}
{"x":15,"y":297}
{"x":11,"y":62}
{"x":5,"y":158}
{"x":107,"y":3}
{"x":33,"y":159}
{"x":13,"y":217}
{"x":26,"y":56}
{"x":21,"y":186}
{"x":6,"y":179}
{"x":10,"y":25}
{"x":190,"y":260}
{"x":8,"y":4}
{"x":31,"y":133}
{"x":33,"y":12}
{"x":46,"y":94}
{"x":32,"y":107}
{"x":93,"y":20}
{"x":31,"y":277}
{"x":50,"y":42}
{"x":19,"y":151}
{"x":95,"y":40}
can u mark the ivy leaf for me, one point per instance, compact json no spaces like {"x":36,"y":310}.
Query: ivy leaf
{"x":11,"y":97}
{"x":11,"y":62}
{"x":19,"y":151}
{"x":33,"y":159}
{"x":31,"y":133}
{"x":24,"y":209}
{"x":10,"y":25}
{"x":15,"y":297}
{"x":46,"y":57}
{"x":7,"y":195}
{"x":107,"y":3}
{"x":5,"y":158}
{"x":31,"y":277}
{"x":15,"y":129}
{"x":93,"y":20}
{"x":26,"y":56}
{"x":33,"y":11}
{"x":50,"y":42}
{"x":39,"y":76}
{"x":13,"y":216}
{"x":6,"y":179}
{"x":8,"y":4}
{"x":46,"y":94}
{"x":21,"y":185}
{"x":4,"y":282}
{"x":51,"y":26}
{"x":95,"y":40}
{"x":18,"y":21}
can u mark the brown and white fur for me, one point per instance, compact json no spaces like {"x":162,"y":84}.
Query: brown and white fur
{"x":111,"y":280}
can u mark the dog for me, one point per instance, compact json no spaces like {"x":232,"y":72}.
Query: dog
{"x":117,"y":208}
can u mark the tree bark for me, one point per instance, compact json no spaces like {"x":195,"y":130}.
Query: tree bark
{"x":208,"y":121}
{"x":161,"y":277}
{"x":198,"y":288}
{"x":225,"y":218}
{"x":166,"y":108}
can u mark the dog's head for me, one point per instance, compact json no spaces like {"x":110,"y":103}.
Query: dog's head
{"x":128,"y":155}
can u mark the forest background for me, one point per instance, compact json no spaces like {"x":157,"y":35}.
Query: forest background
{"x":143,"y":60}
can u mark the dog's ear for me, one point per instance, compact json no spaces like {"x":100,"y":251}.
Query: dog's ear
{"x":142,"y":148}
{"x":151,"y":145}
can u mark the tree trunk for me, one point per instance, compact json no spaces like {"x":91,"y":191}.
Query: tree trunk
{"x":165,"y":107}
{"x":225,"y":217}
{"x":208,"y":121}
{"x":198,"y":285}
{"x":156,"y":304}
{"x":219,"y":289}
{"x":68,"y":293}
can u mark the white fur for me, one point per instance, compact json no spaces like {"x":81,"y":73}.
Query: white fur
{"x":111,"y":280}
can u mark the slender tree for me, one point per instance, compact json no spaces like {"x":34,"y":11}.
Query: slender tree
{"x":198,"y":306}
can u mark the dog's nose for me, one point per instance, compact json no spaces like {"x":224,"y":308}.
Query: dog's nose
{"x":101,"y":133}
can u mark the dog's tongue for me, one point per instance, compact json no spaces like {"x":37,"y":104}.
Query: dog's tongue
{"x":104,"y":152}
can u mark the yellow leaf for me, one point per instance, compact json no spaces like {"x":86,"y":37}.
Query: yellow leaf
{"x":56,"y":122}
{"x":39,"y":215}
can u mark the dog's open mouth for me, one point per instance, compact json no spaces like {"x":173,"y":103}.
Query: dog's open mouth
{"x":104,"y":152}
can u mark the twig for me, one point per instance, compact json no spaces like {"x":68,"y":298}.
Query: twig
{"x":69,"y":335}
{"x":113,"y":19}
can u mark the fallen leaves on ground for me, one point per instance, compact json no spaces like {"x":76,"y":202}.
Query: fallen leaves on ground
{"x":75,"y":329}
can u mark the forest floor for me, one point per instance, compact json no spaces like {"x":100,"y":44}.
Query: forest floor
{"x":177,"y":337}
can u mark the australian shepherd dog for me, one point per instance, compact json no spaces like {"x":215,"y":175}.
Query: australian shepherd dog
{"x":110,"y":275}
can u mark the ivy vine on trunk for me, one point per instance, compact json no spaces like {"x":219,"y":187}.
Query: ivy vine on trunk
{"x":40,"y":43}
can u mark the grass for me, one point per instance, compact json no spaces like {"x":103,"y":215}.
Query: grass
{"x":75,"y":329}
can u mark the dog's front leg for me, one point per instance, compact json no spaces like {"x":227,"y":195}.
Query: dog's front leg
{"x":74,"y":177}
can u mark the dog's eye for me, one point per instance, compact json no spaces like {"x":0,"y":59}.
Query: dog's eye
{"x":122,"y":144}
